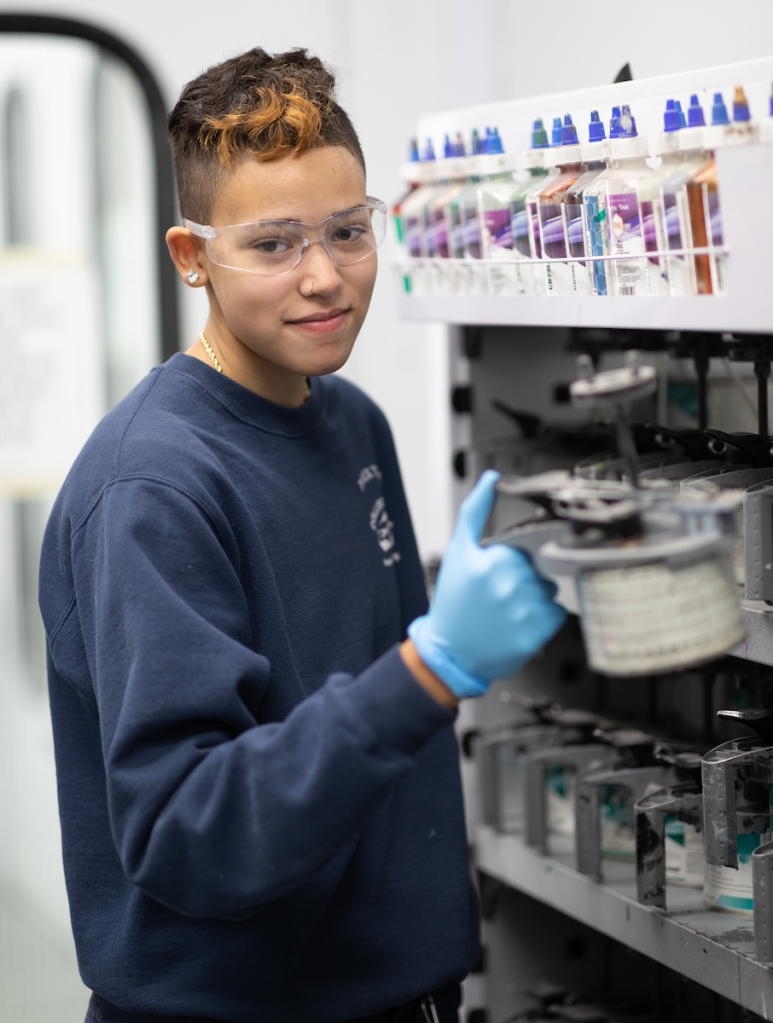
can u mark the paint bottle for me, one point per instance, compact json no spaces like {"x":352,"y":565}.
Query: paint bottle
{"x":536,"y":173}
{"x":462,"y":277}
{"x":412,"y":212}
{"x":497,"y":194}
{"x":594,"y":158}
{"x":618,"y":189}
{"x":454,"y":170}
{"x":475,"y":280}
{"x":411,"y":175}
{"x":730,"y":889}
{"x":703,"y":191}
{"x":595,"y":216}
{"x":547,"y":160}
{"x":675,"y":221}
{"x":550,"y":201}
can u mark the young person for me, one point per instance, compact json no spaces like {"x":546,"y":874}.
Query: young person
{"x":252,"y":706}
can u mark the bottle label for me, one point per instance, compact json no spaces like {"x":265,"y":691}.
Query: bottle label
{"x":617,"y":837}
{"x":440,"y":235}
{"x":731,"y":889}
{"x":575,"y":240}
{"x":685,"y":859}
{"x":557,"y":275}
{"x":559,"y":802}
{"x":594,"y":218}
{"x":678,"y":270}
{"x":629,"y":276}
{"x":498,"y":245}
{"x":413,"y":232}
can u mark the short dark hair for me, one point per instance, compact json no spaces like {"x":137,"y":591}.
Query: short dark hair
{"x":257,"y":104}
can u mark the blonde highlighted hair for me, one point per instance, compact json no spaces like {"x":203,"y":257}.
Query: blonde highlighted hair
{"x":255,"y":105}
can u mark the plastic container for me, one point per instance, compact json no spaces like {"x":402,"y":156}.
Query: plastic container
{"x":675,"y":221}
{"x":411,"y":174}
{"x":413,"y":224}
{"x":594,"y":159}
{"x":550,"y":208}
{"x":702,"y":191}
{"x":455,"y":172}
{"x":495,"y":195}
{"x":617,"y":194}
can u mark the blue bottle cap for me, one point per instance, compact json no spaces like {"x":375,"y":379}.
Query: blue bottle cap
{"x":719,"y":110}
{"x":740,"y":105}
{"x":569,"y":132}
{"x":695,"y":117}
{"x":413,"y":152}
{"x":596,"y":127}
{"x":770,"y":107}
{"x":682,"y":118}
{"x":627,"y":123}
{"x":671,"y":119}
{"x":557,"y":130}
{"x":614,"y":123}
{"x":539,"y":136}
{"x":495,"y":142}
{"x":475,"y":144}
{"x":459,"y":147}
{"x":429,"y":151}
{"x":448,"y":150}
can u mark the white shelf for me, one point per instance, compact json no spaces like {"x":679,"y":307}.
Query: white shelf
{"x":744,"y":174}
{"x":705,"y":312}
{"x":715,"y":949}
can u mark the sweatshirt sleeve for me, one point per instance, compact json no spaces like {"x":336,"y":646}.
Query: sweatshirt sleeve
{"x":213,"y":813}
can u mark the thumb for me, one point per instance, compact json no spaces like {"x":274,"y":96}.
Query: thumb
{"x":477,"y":505}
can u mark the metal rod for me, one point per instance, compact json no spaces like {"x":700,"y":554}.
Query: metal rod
{"x":762,"y":372}
{"x":702,"y":371}
{"x":626,"y":445}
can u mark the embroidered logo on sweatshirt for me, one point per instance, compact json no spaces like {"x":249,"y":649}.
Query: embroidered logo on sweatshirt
{"x":370,"y":472}
{"x":380,"y":522}
{"x":383,"y":527}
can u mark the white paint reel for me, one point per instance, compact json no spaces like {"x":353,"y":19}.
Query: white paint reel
{"x":648,"y":570}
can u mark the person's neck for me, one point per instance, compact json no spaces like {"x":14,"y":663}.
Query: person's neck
{"x":275,"y":383}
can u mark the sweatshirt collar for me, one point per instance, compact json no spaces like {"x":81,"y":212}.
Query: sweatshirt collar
{"x":250,"y":407}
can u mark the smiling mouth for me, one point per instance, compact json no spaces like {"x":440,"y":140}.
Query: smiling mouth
{"x":321,"y":322}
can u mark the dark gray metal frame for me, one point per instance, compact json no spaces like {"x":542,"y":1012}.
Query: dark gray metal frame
{"x":166,"y":200}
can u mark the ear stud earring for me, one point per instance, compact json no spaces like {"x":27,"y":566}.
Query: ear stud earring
{"x":192,"y":276}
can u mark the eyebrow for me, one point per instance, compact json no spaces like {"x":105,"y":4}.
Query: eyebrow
{"x":294,"y":220}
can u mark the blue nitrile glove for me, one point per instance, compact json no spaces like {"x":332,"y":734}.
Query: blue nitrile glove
{"x":490,"y":612}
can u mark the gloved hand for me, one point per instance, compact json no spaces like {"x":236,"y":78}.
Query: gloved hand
{"x":490,"y":612}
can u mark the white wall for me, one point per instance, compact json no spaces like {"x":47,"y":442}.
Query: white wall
{"x":401,"y":58}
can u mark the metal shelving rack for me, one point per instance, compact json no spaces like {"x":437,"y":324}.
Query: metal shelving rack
{"x":714,"y":949}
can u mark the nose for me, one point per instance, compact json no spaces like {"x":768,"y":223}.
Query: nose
{"x":319,"y":271}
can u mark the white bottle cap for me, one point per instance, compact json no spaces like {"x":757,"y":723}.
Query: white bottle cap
{"x":566,"y":154}
{"x":692,"y":139}
{"x":454,"y":168}
{"x":630,"y":148}
{"x":595,"y":152}
{"x":535,"y":158}
{"x":493,"y":163}
{"x":668,"y":142}
{"x":737,"y":133}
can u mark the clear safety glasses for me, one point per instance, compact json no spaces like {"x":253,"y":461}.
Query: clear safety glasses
{"x":277,"y":246}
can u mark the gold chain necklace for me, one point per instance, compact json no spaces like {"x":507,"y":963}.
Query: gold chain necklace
{"x":210,"y":353}
{"x":219,"y":368}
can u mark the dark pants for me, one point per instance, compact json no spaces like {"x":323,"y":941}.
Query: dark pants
{"x":445,"y":1002}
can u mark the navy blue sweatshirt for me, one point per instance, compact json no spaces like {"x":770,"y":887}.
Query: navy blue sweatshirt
{"x":261,"y":808}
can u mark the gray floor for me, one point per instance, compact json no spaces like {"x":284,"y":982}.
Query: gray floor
{"x":39,"y":980}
